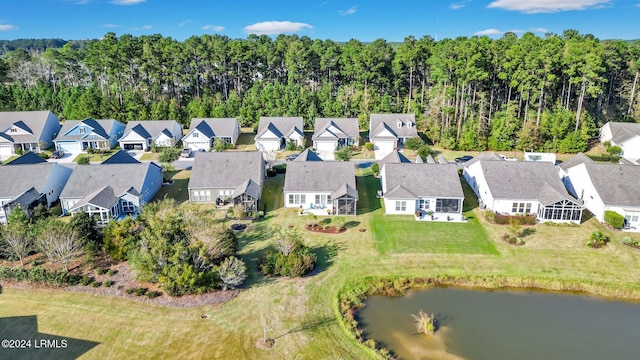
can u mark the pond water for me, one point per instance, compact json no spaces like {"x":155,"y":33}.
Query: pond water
{"x":504,"y":324}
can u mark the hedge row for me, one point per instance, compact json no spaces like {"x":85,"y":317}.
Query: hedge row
{"x":502,"y":219}
{"x":605,"y":157}
{"x":39,"y":274}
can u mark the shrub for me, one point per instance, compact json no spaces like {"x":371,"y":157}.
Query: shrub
{"x":232,"y":272}
{"x":140,"y":291}
{"x":130,"y":291}
{"x":83,"y":160}
{"x":614,"y":150}
{"x":112,"y":272}
{"x":614,"y":219}
{"x":271,"y":173}
{"x":154,"y":294}
{"x":502,"y":219}
{"x":606,"y":144}
{"x":425,"y":323}
{"x":96,"y":284}
{"x":169,"y":155}
{"x":44,"y":155}
{"x":291,"y":146}
{"x":338,"y":221}
{"x":343,"y":154}
{"x":368,"y":146}
{"x":101,"y":271}
{"x":414,"y":143}
{"x":597,"y":239}
{"x":86,"y":280}
{"x":490,"y":215}
{"x":375,"y":168}
{"x":297,"y":263}
{"x":280,"y":168}
{"x":630,"y":242}
{"x":107,"y":283}
{"x":424,"y":151}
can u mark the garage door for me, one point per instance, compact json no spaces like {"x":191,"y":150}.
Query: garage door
{"x":195,"y":146}
{"x":325,"y":150}
{"x":6,"y":151}
{"x":69,"y":147}
{"x":133,"y":146}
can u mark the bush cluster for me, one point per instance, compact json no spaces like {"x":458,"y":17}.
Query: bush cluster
{"x":597,"y":240}
{"x":605,"y":158}
{"x":289,"y":257}
{"x":614,"y":219}
{"x":39,"y":274}
{"x":83,"y":160}
{"x":630,"y":242}
{"x":502,"y":219}
{"x":280,"y":168}
{"x":513,"y":240}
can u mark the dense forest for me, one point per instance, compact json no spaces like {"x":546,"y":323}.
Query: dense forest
{"x":470,"y":93}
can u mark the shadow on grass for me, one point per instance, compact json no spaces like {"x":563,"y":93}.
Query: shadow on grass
{"x":309,"y":326}
{"x":527,"y":232}
{"x":368,"y":187}
{"x":351,"y":224}
{"x":326,"y":255}
{"x":259,"y":233}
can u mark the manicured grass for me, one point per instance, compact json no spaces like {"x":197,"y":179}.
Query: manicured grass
{"x":301,"y":313}
{"x":178,"y":190}
{"x":11,"y":158}
{"x":94,"y":157}
{"x":149,"y":156}
{"x":245,"y":141}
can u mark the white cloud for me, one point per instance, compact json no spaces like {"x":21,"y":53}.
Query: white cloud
{"x":110,"y":25}
{"x":275,"y":27}
{"x":539,"y":30}
{"x":515,"y":31}
{"x":184,"y":23}
{"x":83,"y":2}
{"x":147,"y":27}
{"x":488,"y":32}
{"x":349,"y":11}
{"x":127,"y":2}
{"x":546,"y":6}
{"x":216,"y":28}
{"x":7,"y":27}
{"x":138,"y":28}
{"x":459,"y":5}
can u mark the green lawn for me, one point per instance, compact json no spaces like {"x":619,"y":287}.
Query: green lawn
{"x":94,"y":157}
{"x":300,"y":313}
{"x":150,"y":156}
{"x":178,"y":190}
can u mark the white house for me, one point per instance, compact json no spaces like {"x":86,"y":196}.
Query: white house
{"x":203,"y":132}
{"x":509,"y":187}
{"x":79,"y":135}
{"x":274,"y":133}
{"x":624,"y":135}
{"x":388,"y":132}
{"x":141,"y":135}
{"x":321,"y":187}
{"x":430,"y":192}
{"x":28,"y":184}
{"x":23,"y":131}
{"x":111,"y":191}
{"x":331,"y":134}
{"x":606,"y":187}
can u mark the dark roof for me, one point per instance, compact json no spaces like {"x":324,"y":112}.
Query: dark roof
{"x":308,"y":155}
{"x":524,"y":180}
{"x":104,"y":197}
{"x":121,"y":157}
{"x":378,"y":122}
{"x":225,"y":170}
{"x":622,"y":131}
{"x":422,"y":180}
{"x":101,"y":128}
{"x":394,"y":157}
{"x":87,"y":179}
{"x":308,"y":176}
{"x":28,"y":158}
{"x":214,"y":127}
{"x":342,"y":127}
{"x":281,"y":126}
{"x":16,"y":179}
{"x":151,"y":128}
{"x":576,"y":159}
{"x":32,"y":122}
{"x":616,"y":184}
{"x":26,"y":198}
{"x":248,"y":187}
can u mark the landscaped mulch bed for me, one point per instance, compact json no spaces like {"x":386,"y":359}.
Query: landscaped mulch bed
{"x":324,"y":230}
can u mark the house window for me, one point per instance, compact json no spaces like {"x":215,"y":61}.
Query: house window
{"x":225,"y":194}
{"x":399,"y":124}
{"x":423,"y":204}
{"x":128,"y":206}
{"x":201,"y":195}
{"x":322,"y":199}
{"x":521,"y":208}
{"x":195,"y":134}
{"x":401,"y":206}
{"x":448,"y":205}
{"x":81,"y":130}
{"x":13,"y":130}
{"x":297,"y":199}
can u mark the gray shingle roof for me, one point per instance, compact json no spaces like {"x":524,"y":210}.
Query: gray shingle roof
{"x":87,"y":179}
{"x":100,"y":127}
{"x":524,"y":180}
{"x":248,"y":187}
{"x":347,"y":127}
{"x":394,"y":157}
{"x":616,"y":184}
{"x":150,"y":128}
{"x":417,"y":180}
{"x":285,"y":125}
{"x":214,"y":127}
{"x":308,"y":155}
{"x":28,"y":158}
{"x":103,"y":197}
{"x":16,"y":179}
{"x":34,"y":121}
{"x":576,"y":159}
{"x":377,"y":123}
{"x":491,"y":156}
{"x":309,"y":176}
{"x":621,"y":131}
{"x":121,"y":157}
{"x":227,"y":169}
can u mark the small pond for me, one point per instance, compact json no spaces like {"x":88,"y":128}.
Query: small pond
{"x":505,"y":324}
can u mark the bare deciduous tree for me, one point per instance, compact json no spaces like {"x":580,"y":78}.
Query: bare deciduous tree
{"x":17,"y":242}
{"x":59,"y":243}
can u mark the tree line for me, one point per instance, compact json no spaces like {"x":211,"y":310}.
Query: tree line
{"x":468,"y":93}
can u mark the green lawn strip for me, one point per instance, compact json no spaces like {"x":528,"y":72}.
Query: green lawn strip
{"x":149,"y":156}
{"x":94,"y":157}
{"x":178,"y":190}
{"x":272,"y":192}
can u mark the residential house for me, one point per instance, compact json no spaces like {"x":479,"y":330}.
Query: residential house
{"x":321,"y":187}
{"x":308,"y":155}
{"x":28,"y":184}
{"x":509,"y":187}
{"x":120,"y":157}
{"x":427,"y":191}
{"x":624,"y":135}
{"x":143,"y":135}
{"x":203,"y":132}
{"x":331,"y":134}
{"x":274,"y":133}
{"x":79,"y":135}
{"x":227,"y":177}
{"x":393,"y":157}
{"x":111,"y":191}
{"x":388,"y":132}
{"x":605,"y":187}
{"x":23,"y":131}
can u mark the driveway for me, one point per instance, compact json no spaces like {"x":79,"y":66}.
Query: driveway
{"x":67,"y":158}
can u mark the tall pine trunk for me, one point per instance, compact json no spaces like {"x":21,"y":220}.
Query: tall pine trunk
{"x":633,"y":92}
{"x":580,"y":100}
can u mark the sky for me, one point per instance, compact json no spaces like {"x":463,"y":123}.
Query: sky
{"x":365,"y":20}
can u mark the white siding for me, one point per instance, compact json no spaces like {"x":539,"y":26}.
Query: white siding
{"x":383,"y":148}
{"x":325,"y":149}
{"x":309,"y":199}
{"x":6,"y":151}
{"x":584,"y":190}
{"x":631,"y":148}
{"x":390,"y":206}
{"x":268,"y":145}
